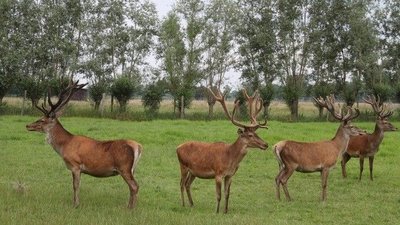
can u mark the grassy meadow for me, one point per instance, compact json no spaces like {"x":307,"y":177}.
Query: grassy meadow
{"x":36,"y":187}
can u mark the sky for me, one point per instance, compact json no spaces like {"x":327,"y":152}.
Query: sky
{"x":163,"y":6}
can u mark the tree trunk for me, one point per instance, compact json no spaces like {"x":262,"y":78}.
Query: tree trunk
{"x":266,"y":109}
{"x":294,"y":110}
{"x":182,"y":108}
{"x":320,"y":111}
{"x":210,"y":110}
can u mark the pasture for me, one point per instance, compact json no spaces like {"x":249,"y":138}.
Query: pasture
{"x":36,"y":187}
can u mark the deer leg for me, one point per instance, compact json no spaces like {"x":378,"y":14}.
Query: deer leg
{"x":133,"y":187}
{"x":345,"y":158}
{"x":76,"y":179}
{"x":278,"y":183}
{"x":324,"y":181}
{"x":361,"y":166}
{"x":189,"y":180}
{"x":184,"y":176}
{"x":371,"y":166}
{"x":218,"y":182}
{"x":227,"y":189}
{"x":285,"y":177}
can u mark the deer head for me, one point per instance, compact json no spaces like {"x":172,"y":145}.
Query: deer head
{"x":247,"y":132}
{"x":50,"y":115}
{"x":345,"y":119}
{"x":381,"y":113}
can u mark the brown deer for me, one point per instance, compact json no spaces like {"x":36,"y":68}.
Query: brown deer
{"x":85,"y":155}
{"x":368,"y":145}
{"x":220,"y":160}
{"x":315,"y":156}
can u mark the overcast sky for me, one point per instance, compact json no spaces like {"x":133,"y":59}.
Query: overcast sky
{"x":163,"y":6}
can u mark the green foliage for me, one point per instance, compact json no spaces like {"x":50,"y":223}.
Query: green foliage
{"x":55,"y":85}
{"x":384,"y":91}
{"x":396,"y":91}
{"x":267,"y":95}
{"x":256,"y":34}
{"x":291,"y":94}
{"x":34,"y":88}
{"x":123,"y":89}
{"x":152,"y":96}
{"x":96,"y":92}
{"x":321,"y":89}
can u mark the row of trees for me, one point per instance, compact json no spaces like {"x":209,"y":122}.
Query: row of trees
{"x":334,"y":46}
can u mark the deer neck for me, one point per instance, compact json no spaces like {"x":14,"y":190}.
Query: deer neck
{"x":57,"y":136}
{"x":341,"y":139}
{"x":377,"y":135}
{"x":237,"y":150}
{"x":378,"y":132}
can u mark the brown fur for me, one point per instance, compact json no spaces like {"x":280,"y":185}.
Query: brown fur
{"x":83,"y":154}
{"x":366,"y":146}
{"x":308,"y":157}
{"x":214,"y":160}
{"x":97,"y":158}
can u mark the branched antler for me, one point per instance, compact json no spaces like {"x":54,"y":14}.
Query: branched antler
{"x":255,"y":104}
{"x":63,"y":98}
{"x":378,"y":107}
{"x":329,"y":104}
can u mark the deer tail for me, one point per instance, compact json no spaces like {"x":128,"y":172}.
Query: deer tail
{"x":137,"y":152}
{"x":278,"y":147}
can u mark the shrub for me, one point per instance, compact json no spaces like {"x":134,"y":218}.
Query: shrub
{"x":34,"y":89}
{"x":384,"y":91}
{"x":123,"y":89}
{"x":96,"y":93}
{"x":152,"y":97}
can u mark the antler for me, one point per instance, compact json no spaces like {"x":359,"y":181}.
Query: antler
{"x":256,"y":103}
{"x":329,"y":104}
{"x":63,"y":98}
{"x":254,"y":124}
{"x":377,"y":106}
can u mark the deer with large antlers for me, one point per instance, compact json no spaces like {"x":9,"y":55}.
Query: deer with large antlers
{"x":85,"y":155}
{"x":220,"y":160}
{"x":315,"y":156}
{"x":368,"y":145}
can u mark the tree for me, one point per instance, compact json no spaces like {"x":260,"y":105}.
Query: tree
{"x":10,"y":39}
{"x":172,"y":51}
{"x":152,"y":96}
{"x":257,"y":41}
{"x":123,"y":89}
{"x":192,"y":12}
{"x":96,"y":92}
{"x":387,"y":21}
{"x":218,"y":39}
{"x":293,"y":49}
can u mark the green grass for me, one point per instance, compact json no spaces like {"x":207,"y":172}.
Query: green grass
{"x":36,"y":187}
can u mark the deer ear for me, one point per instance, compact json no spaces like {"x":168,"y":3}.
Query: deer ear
{"x":240,"y":131}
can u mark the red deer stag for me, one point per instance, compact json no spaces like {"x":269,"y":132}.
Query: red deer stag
{"x":85,"y":155}
{"x":315,"y":156}
{"x":220,"y":160}
{"x":368,"y":145}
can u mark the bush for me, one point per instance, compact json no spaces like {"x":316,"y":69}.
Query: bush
{"x":384,"y":91}
{"x":96,"y":92}
{"x":267,"y":95}
{"x":55,"y":85}
{"x":34,"y":89}
{"x":123,"y":89}
{"x":152,"y":97}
